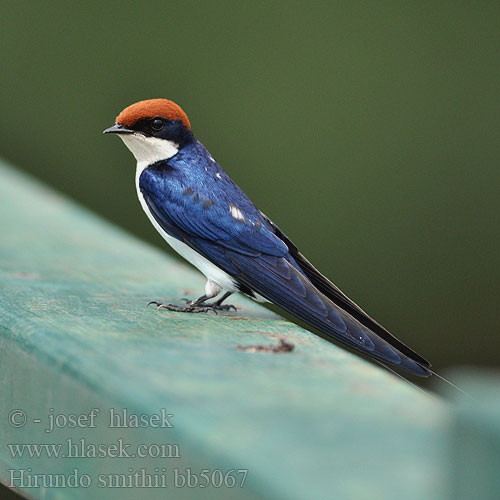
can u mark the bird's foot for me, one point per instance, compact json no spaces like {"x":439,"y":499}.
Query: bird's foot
{"x":193,"y":307}
{"x":221,"y":307}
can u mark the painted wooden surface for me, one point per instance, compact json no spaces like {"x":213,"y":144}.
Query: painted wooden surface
{"x":314,"y":423}
{"x":475,"y":438}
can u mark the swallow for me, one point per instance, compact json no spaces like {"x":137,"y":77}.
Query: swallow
{"x":205,"y":217}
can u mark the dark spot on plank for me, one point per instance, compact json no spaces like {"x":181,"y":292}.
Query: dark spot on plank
{"x":282,"y":346}
{"x":188,"y":191}
{"x":207,"y":203}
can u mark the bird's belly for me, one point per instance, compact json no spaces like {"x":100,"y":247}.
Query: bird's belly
{"x":211,"y":271}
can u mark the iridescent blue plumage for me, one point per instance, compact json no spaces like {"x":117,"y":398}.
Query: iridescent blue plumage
{"x":196,"y":202}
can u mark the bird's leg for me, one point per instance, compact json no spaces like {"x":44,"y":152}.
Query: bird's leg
{"x":198,"y":305}
{"x":218,"y":304}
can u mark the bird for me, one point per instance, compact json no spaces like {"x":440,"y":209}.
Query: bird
{"x":208,"y":219}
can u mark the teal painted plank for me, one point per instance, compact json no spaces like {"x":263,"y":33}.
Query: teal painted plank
{"x":316,"y":423}
{"x":475,"y":440}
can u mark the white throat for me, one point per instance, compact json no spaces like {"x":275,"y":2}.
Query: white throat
{"x":149,"y":150}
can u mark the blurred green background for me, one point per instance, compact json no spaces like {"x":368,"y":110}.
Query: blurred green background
{"x":369,"y":131}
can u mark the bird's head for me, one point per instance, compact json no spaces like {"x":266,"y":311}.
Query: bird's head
{"x":153,"y":130}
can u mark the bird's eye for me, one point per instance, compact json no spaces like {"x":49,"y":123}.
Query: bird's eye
{"x":157,"y":124}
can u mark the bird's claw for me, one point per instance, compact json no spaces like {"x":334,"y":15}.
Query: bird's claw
{"x":157,"y":304}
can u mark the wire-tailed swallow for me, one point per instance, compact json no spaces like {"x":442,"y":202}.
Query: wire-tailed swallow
{"x":212,"y":223}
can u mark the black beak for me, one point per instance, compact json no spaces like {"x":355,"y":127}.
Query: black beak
{"x":118,"y":129}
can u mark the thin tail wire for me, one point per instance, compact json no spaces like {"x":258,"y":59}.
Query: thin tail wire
{"x":394,"y":372}
{"x":451,"y":384}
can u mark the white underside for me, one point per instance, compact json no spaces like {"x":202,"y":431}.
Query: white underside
{"x":147,"y":151}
